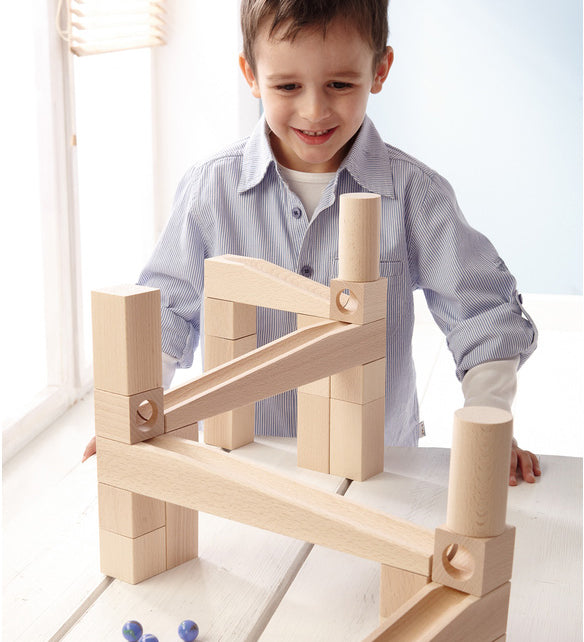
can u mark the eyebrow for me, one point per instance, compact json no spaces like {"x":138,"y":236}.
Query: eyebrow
{"x":334,"y":74}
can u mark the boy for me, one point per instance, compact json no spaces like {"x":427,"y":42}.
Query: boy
{"x":275,"y":196}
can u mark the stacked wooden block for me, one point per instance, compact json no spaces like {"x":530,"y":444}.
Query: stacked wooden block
{"x":230,"y":331}
{"x":341,"y":418}
{"x":139,"y":536}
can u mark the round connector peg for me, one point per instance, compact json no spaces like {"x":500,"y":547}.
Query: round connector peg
{"x":188,"y":631}
{"x":132,"y":631}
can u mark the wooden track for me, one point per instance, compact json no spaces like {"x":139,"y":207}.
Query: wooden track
{"x":192,"y":475}
{"x":296,"y":359}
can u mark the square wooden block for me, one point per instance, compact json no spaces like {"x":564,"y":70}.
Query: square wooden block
{"x":218,"y":350}
{"x":126,"y":339}
{"x":474,"y":565}
{"x":360,"y":384}
{"x":357,"y":433}
{"x":232,"y":429}
{"x":313,"y":432}
{"x":127,"y":513}
{"x":356,"y":302}
{"x":129,"y":419}
{"x":228,"y":319}
{"x":132,"y":560}
{"x":182,"y":532}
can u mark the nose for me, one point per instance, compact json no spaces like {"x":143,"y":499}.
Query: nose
{"x":315,"y":106}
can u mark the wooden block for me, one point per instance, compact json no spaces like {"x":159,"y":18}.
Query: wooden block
{"x":397,"y":587}
{"x":357,"y":434}
{"x":218,"y":350}
{"x":129,"y":419}
{"x":479,"y":471}
{"x":234,"y":428}
{"x":260,"y":283}
{"x":474,"y":565}
{"x":320,"y":387}
{"x":359,"y":236}
{"x":181,"y":535}
{"x":128,"y":514}
{"x":360,"y":384}
{"x":292,"y":361}
{"x":126,"y":339}
{"x":313,"y":432}
{"x":354,"y":302}
{"x":132,"y":560}
{"x":216,"y":482}
{"x":228,"y":319}
{"x":440,"y":614}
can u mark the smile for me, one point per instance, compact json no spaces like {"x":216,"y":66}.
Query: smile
{"x":315,"y":137}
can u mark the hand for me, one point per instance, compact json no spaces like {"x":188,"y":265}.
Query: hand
{"x":524,"y":461}
{"x":89,"y":450}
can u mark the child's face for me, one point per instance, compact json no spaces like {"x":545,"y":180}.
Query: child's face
{"x":314,"y":92}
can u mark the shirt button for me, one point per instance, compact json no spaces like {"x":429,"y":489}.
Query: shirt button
{"x":296,"y":212}
{"x":306,"y":271}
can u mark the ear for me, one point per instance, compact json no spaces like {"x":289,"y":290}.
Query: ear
{"x":249,"y":76}
{"x":382,"y":70}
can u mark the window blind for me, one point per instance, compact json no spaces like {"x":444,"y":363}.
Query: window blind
{"x":101,"y":26}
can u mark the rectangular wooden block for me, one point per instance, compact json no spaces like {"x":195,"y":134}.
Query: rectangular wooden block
{"x":313,"y":432}
{"x":234,"y":428}
{"x":228,"y":319}
{"x":358,"y":302}
{"x":320,"y":387}
{"x":218,"y":350}
{"x":475,"y":565}
{"x":129,"y":419}
{"x":132,"y":560}
{"x":181,"y":535}
{"x":126,"y":339}
{"x":360,"y":384}
{"x":231,"y":429}
{"x":397,"y":586}
{"x":127,"y":513}
{"x":357,"y":432}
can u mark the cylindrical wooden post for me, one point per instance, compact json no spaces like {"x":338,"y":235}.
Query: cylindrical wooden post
{"x":479,"y":471}
{"x":359,"y":234}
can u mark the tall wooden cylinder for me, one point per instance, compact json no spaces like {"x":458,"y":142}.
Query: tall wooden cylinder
{"x":479,"y":471}
{"x":359,"y":233}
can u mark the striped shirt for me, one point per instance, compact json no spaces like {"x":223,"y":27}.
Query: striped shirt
{"x":238,"y":203}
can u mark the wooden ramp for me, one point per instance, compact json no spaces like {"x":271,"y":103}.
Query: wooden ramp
{"x":192,"y":475}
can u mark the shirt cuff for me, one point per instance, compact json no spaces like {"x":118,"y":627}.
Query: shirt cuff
{"x":169,"y":365}
{"x":491,"y":384}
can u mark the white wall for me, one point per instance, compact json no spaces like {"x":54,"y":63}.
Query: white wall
{"x":200,"y":100}
{"x":489,"y":94}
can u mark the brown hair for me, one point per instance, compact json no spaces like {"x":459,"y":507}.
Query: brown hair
{"x":369,"y":17}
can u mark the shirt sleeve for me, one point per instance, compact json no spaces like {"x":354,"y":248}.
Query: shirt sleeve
{"x":176,"y":268}
{"x":470,"y":292}
{"x":491,"y":384}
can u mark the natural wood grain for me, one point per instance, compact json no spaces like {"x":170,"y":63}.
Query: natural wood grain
{"x":441,"y":614}
{"x":212,"y":482}
{"x":228,"y":319}
{"x":313,"y":432}
{"x":260,"y":283}
{"x":397,"y":587}
{"x":298,"y":358}
{"x":129,"y":514}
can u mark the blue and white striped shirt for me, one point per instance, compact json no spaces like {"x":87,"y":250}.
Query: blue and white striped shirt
{"x":237,"y":203}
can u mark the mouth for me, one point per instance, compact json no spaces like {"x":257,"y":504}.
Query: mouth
{"x":315,"y":136}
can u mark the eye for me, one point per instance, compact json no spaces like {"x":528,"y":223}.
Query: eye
{"x":340,"y":85}
{"x":287,"y":87}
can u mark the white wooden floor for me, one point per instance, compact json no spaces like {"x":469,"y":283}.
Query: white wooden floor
{"x":50,"y":558}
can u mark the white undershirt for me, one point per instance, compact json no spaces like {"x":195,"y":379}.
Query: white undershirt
{"x":308,"y":186}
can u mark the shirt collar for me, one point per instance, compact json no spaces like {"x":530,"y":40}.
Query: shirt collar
{"x":257,"y":157}
{"x":367,"y":160}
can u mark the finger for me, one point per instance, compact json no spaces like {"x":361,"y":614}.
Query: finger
{"x":527,"y":463}
{"x":513,"y":470}
{"x":90,"y":450}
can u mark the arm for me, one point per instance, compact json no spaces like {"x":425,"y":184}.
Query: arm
{"x":494,"y":384}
